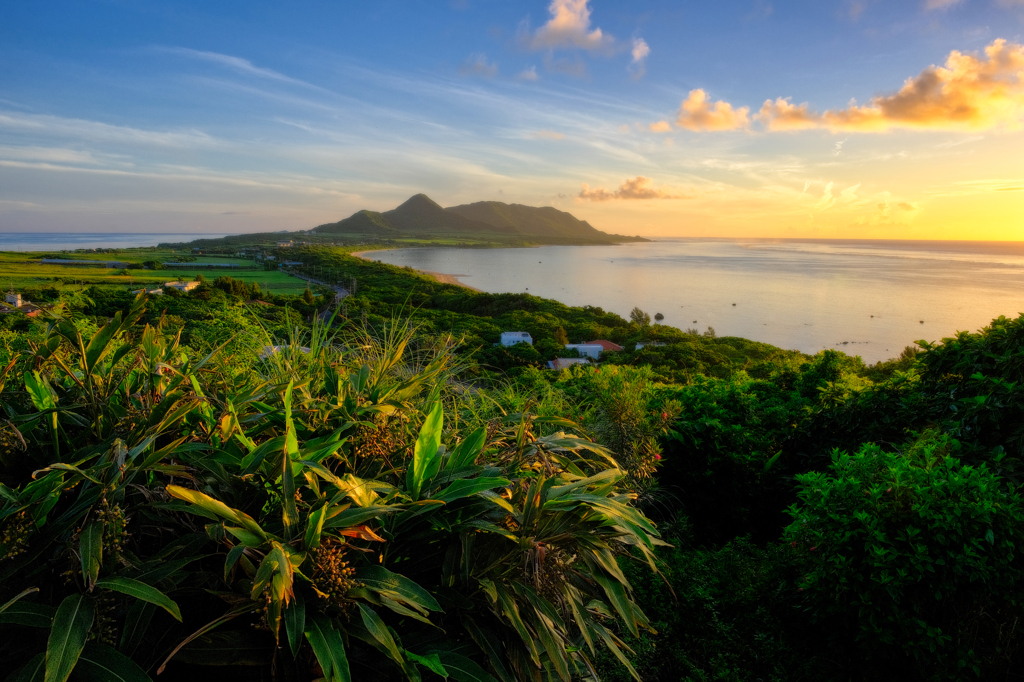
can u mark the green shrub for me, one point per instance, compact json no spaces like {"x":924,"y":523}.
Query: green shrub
{"x":916,"y":555}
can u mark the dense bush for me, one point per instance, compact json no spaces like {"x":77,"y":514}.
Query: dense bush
{"x":915,"y":555}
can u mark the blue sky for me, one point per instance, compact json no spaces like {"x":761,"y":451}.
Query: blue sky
{"x":231,"y":116}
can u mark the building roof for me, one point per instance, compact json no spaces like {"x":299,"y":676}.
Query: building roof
{"x":606,"y":345}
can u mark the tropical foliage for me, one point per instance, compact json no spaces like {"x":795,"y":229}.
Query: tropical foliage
{"x":314,"y":513}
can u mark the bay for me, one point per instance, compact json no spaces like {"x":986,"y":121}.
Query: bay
{"x":61,"y":241}
{"x":864,"y":297}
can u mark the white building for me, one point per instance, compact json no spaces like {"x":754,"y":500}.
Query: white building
{"x":558,"y":364}
{"x":588,"y":350}
{"x":641,"y":344}
{"x":13,"y":299}
{"x":183,"y":287}
{"x":512,"y":338}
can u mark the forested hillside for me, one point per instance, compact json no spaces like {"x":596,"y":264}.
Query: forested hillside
{"x":370,"y":489}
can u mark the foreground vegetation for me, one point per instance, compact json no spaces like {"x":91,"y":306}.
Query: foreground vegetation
{"x":389,"y":496}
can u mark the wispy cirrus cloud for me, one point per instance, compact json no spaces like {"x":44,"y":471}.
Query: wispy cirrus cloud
{"x":48,"y":126}
{"x":547,"y":135}
{"x":639,"y":187}
{"x":236,"y":64}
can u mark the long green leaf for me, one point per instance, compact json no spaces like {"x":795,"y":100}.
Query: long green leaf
{"x":620,"y":600}
{"x":469,"y":486}
{"x":136,"y":622}
{"x":90,"y":547}
{"x":379,"y":631}
{"x":463,"y":669}
{"x":425,"y":461}
{"x":490,"y":645}
{"x":100,"y":663}
{"x":357,"y":515}
{"x":33,"y":671}
{"x":99,"y":345}
{"x":295,"y":623}
{"x":140,"y":590}
{"x":397,"y":587}
{"x":289,"y":512}
{"x":511,"y":611}
{"x":71,"y":626}
{"x":466,"y":452}
{"x":328,"y":648}
{"x":615,"y":646}
{"x":28,"y":614}
{"x":217,"y":507}
{"x":24,"y":593}
{"x":431,"y":662}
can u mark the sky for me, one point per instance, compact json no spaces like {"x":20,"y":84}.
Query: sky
{"x":861,"y":119}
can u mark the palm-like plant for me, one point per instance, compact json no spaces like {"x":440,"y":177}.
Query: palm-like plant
{"x":315,"y":495}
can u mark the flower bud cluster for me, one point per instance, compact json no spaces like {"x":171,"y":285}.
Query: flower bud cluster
{"x":15,"y":534}
{"x":332,"y":576}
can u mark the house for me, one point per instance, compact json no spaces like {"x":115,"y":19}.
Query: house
{"x":512,"y":338}
{"x":269,"y":351}
{"x":284,"y":243}
{"x":183,"y":287}
{"x":587,"y":349}
{"x":558,"y":364}
{"x":151,"y":292}
{"x":608,"y":346}
{"x":13,"y":299}
{"x":642,"y":344}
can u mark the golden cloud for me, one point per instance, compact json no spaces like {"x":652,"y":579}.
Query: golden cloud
{"x":569,"y":26}
{"x":547,"y":135}
{"x":968,"y":93}
{"x":660,"y":127}
{"x":698,"y":113}
{"x":635,"y":188}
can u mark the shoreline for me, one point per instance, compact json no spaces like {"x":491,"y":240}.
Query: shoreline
{"x":442,"y":277}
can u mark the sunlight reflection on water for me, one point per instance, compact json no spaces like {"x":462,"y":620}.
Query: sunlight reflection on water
{"x":806,"y":295}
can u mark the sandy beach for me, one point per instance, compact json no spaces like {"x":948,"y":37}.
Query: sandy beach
{"x":442,"y":277}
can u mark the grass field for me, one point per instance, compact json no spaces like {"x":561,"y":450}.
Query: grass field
{"x":20,"y":270}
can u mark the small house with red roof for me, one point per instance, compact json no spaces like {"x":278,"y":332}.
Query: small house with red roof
{"x":606,"y":345}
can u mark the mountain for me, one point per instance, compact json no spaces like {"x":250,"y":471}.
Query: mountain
{"x":529,"y":220}
{"x":420,"y":215}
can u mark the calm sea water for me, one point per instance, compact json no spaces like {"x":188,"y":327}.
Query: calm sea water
{"x":867,"y":298}
{"x":57,"y":241}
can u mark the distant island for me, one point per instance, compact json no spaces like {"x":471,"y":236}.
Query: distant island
{"x":421,"y":216}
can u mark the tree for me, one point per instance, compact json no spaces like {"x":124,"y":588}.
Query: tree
{"x":307,"y":297}
{"x":922,"y":559}
{"x":640,"y":317}
{"x":561,"y":338}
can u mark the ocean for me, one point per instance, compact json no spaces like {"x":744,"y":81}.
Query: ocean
{"x":866,"y":298}
{"x":58,"y":241}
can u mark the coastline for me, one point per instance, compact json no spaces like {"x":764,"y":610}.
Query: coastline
{"x":442,"y":277}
